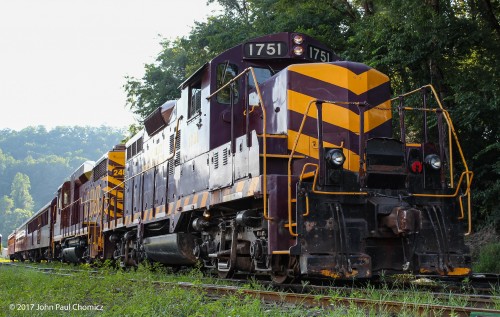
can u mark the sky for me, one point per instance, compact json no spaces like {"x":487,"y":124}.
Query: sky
{"x":64,"y":62}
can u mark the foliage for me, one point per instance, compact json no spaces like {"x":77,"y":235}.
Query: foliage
{"x":17,"y":207}
{"x":488,"y":259}
{"x":20,"y":192}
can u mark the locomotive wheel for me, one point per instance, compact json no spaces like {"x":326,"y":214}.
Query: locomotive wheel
{"x":281,"y":265}
{"x":280,"y":277}
{"x":225,"y":274}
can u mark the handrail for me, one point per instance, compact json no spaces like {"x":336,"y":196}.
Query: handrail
{"x":467,"y":190}
{"x":291,"y":156}
{"x":289,"y":171}
{"x":470,"y":176}
{"x":264,"y":131}
{"x":313,"y":190}
{"x":451,"y":132}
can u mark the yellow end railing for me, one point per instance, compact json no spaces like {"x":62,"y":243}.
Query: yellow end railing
{"x":467,"y":174}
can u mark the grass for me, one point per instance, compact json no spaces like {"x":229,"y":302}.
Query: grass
{"x":118,"y":293}
{"x":115,"y":293}
{"x":489,"y":260}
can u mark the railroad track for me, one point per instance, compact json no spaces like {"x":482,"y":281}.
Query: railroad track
{"x":322,"y":297}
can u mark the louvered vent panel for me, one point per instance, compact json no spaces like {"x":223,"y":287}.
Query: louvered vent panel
{"x":172,"y":143}
{"x":177,"y":158}
{"x":224,"y":157}
{"x":100,"y":170}
{"x":216,"y":160}
{"x":171,"y":166}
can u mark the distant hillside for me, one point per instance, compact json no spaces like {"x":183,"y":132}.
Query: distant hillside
{"x":47,"y":157}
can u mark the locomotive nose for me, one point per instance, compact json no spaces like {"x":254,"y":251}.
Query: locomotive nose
{"x":403,"y":220}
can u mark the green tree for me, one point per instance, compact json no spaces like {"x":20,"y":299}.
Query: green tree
{"x":7,"y":221}
{"x":160,"y":80}
{"x":6,"y":205}
{"x":20,"y":192}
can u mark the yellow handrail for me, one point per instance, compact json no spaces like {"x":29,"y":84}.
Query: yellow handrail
{"x":467,"y":191}
{"x":451,"y":131}
{"x":264,"y":131}
{"x":289,"y":181}
{"x":292,"y":155}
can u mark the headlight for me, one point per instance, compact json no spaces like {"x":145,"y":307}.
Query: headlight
{"x":298,"y":50}
{"x":433,"y":161}
{"x":298,"y":39}
{"x":335,"y":158}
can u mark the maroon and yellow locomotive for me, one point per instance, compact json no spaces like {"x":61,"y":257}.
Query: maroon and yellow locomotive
{"x":280,"y":159}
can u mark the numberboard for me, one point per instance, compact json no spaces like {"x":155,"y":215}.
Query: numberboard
{"x":281,"y":49}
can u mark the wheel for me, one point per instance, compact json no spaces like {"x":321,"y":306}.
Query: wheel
{"x":225,"y":274}
{"x":280,"y":277}
{"x":281,"y":266}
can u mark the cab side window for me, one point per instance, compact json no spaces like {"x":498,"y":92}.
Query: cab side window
{"x":226,"y":72}
{"x":194,"y":106}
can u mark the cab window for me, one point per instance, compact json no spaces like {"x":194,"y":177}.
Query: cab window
{"x":194,"y":106}
{"x":226,"y":72}
{"x":262,"y":74}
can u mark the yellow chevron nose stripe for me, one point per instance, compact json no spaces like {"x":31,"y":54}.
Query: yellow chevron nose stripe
{"x":343,"y":121}
{"x":341,"y":116}
{"x":342,"y":77}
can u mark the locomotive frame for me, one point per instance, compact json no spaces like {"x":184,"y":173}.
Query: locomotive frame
{"x":287,"y":168}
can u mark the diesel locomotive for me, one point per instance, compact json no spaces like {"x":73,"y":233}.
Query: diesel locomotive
{"x":278,"y":159}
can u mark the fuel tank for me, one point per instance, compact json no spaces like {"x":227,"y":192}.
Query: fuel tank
{"x":172,"y":249}
{"x":72,"y":254}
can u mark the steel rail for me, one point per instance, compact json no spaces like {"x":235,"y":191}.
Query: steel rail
{"x":331,"y":302}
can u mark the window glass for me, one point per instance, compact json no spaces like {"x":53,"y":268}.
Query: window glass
{"x":65,"y":198}
{"x":226,"y":72}
{"x":262,"y":74}
{"x":194,"y":99}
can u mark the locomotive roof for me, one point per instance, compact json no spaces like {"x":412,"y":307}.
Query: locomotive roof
{"x":47,"y":205}
{"x":238,"y":51}
{"x":194,"y":75}
{"x":83,"y":169}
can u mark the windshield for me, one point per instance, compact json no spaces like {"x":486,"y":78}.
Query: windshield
{"x":262,"y":74}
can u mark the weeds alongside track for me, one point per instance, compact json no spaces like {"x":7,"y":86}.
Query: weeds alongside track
{"x":85,"y":291}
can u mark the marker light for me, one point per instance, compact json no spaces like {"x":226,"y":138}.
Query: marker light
{"x":335,"y":158}
{"x":298,"y":50}
{"x":433,"y":161}
{"x":416,"y":167}
{"x":298,"y":39}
